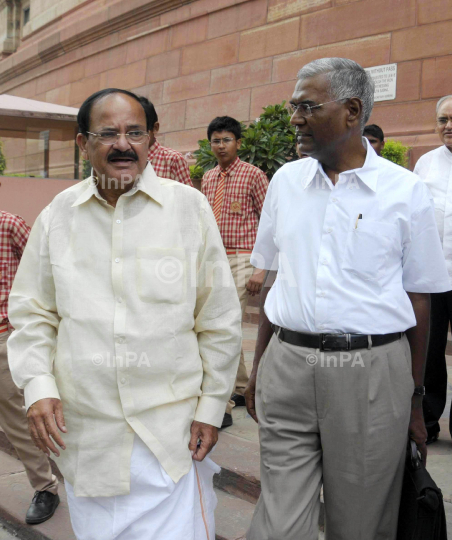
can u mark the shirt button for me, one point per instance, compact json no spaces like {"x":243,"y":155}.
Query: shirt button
{"x":329,"y":230}
{"x":118,"y":221}
{"x":324,"y":261}
{"x":120,"y":300}
{"x":123,"y":380}
{"x":334,"y":199}
{"x":120,"y":340}
{"x":323,"y":294}
{"x":322,"y":327}
{"x":116,"y":260}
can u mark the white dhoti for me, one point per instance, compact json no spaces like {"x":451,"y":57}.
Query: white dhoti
{"x":155,"y":509}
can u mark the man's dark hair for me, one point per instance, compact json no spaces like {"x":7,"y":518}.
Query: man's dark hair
{"x":225,"y":123}
{"x":84,"y":112}
{"x":374,"y":131}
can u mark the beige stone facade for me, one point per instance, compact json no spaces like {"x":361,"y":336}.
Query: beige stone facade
{"x":202,"y":58}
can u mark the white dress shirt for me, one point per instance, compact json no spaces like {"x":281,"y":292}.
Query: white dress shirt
{"x":435,"y":169}
{"x":338,"y":273}
{"x":147,"y":317}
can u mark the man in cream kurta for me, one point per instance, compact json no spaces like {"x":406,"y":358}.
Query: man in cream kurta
{"x":125,"y":310}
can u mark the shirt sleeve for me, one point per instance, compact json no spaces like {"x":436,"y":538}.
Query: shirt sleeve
{"x":260,"y":187}
{"x":424,"y":266}
{"x":19,"y":233}
{"x":33,"y":313}
{"x":180,"y":170}
{"x":265,"y":252}
{"x":217,"y":323}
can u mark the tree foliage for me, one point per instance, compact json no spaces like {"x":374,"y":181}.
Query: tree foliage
{"x":396,"y":152}
{"x":268,"y":143}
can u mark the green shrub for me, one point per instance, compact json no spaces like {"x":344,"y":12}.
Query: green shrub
{"x":196,"y":172}
{"x":268,"y":143}
{"x":396,"y":152}
{"x":2,"y":159}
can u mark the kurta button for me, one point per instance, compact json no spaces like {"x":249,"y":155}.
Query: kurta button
{"x":123,"y":380}
{"x":116,"y":260}
{"x":119,"y":299}
{"x":118,"y":221}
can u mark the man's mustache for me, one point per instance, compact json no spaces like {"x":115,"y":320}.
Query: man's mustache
{"x":123,"y":155}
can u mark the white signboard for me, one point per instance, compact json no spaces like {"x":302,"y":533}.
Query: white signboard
{"x":385,"y":78}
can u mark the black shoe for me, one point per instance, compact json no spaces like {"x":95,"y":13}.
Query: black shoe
{"x":42,"y":507}
{"x":431,"y":438}
{"x":238,"y":400}
{"x":227,"y":420}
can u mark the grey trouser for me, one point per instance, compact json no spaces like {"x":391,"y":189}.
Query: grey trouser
{"x":13,"y":420}
{"x":335,"y":418}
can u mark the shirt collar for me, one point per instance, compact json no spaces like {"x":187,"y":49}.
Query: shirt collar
{"x":231,"y":167}
{"x":148,"y":183}
{"x":154,"y":149}
{"x":368,"y":173}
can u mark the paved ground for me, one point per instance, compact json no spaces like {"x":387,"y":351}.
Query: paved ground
{"x":5,"y":535}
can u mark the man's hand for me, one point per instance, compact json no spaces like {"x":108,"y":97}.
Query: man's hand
{"x":250,"y":396}
{"x":255,"y":282}
{"x":207,"y":436}
{"x":417,"y":430}
{"x":45,"y":418}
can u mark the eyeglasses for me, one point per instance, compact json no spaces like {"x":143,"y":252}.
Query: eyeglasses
{"x":224,"y":140}
{"x":111,"y":137}
{"x":306,"y":110}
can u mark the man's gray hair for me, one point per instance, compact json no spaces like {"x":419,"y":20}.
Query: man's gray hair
{"x":441,"y":101}
{"x":347,"y":79}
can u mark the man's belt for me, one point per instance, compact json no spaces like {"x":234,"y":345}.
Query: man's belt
{"x":334,"y":342}
{"x":230,"y":251}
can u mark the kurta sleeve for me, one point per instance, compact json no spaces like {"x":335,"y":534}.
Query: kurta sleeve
{"x":424,"y":266}
{"x":217,"y":323}
{"x":33,"y":314}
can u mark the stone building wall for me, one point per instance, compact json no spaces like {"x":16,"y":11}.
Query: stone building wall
{"x":202,"y":58}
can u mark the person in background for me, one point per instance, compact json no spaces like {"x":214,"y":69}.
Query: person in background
{"x":167,"y":163}
{"x":339,"y":388}
{"x":435,"y":169}
{"x":236,"y":192}
{"x":127,"y":336}
{"x":374,"y":134}
{"x":14,"y":234}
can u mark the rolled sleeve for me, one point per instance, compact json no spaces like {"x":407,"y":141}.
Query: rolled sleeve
{"x":265,"y":252}
{"x":33,"y":314}
{"x":424,"y":266}
{"x":217,"y":323}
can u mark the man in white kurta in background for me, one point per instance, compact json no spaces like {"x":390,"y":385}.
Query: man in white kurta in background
{"x":435,"y":169}
{"x":127,"y":337}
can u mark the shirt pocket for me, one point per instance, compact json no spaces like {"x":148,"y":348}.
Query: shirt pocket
{"x":161,"y":275}
{"x":367,"y":249}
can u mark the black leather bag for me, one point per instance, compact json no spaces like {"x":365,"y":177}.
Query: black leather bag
{"x":421,"y":512}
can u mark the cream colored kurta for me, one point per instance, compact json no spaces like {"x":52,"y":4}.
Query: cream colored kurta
{"x":130,"y":315}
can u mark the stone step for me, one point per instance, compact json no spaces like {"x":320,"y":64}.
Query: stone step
{"x":232,"y":516}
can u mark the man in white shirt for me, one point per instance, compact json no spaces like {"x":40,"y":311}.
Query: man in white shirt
{"x":339,"y":388}
{"x":127,"y":337}
{"x":435,"y":169}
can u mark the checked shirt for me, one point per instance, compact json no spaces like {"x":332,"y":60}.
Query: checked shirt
{"x":13,"y":237}
{"x":244,"y":194}
{"x":168,"y":163}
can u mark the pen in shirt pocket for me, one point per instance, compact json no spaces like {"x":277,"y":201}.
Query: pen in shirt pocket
{"x":360,"y":216}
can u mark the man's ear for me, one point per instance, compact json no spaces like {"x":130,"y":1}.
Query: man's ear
{"x":239,"y":143}
{"x":156,"y":128}
{"x":355,"y":109}
{"x":81,"y":141}
{"x":383,"y":144}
